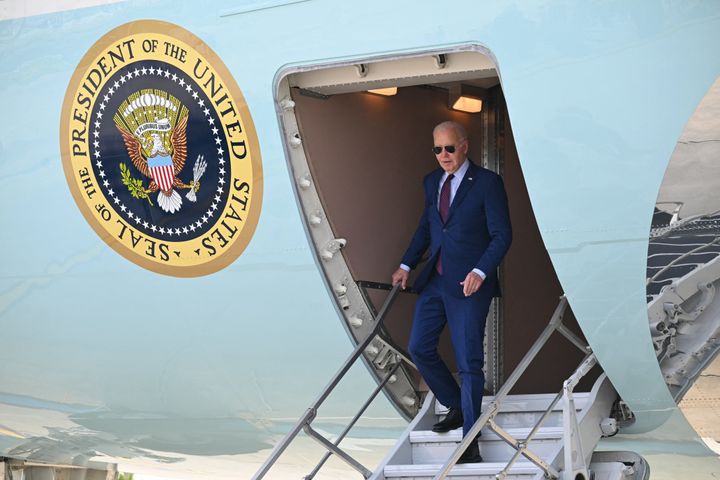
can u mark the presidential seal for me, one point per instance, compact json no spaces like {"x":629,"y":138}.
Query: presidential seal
{"x":160,"y":151}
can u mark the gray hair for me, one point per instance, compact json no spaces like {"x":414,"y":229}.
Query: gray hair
{"x":450,"y":125}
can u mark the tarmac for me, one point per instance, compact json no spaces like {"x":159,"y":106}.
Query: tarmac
{"x":701,"y":405}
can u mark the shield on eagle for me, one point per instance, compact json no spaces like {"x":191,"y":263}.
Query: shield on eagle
{"x":162,"y":171}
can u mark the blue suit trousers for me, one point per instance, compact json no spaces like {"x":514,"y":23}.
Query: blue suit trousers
{"x":465,"y":318}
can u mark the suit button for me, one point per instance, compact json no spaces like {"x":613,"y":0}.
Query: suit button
{"x":444,"y":229}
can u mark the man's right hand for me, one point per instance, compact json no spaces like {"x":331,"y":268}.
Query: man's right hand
{"x":400,"y":276}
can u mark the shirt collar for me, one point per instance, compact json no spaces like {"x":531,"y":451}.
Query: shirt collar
{"x":459,"y":174}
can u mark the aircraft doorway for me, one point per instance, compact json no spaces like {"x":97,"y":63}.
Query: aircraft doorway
{"x":358,"y":160}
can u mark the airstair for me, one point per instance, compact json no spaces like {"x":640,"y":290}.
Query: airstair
{"x":522,"y":436}
{"x":422,"y":453}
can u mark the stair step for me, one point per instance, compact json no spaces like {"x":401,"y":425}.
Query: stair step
{"x":454,"y":436}
{"x":519,"y":419}
{"x":525,"y":403}
{"x":468,"y":471}
{"x":431,"y":447}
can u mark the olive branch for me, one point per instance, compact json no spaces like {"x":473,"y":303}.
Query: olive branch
{"x":134,"y":185}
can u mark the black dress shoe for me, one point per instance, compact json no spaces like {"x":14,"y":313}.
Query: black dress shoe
{"x":453,"y":420}
{"x":471,"y":454}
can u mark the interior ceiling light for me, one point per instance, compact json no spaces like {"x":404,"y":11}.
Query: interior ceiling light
{"x":388,"y":92}
{"x":468,"y":104}
{"x":466,"y":98}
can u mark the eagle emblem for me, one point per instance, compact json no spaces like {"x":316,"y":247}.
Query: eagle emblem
{"x":153,"y":126}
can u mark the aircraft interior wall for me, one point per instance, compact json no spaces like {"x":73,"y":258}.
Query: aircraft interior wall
{"x":368,"y":154}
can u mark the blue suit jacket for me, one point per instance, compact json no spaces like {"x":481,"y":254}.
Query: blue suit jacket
{"x":477,"y":233}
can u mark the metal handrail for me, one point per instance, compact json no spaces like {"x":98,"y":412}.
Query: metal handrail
{"x":357,"y":416}
{"x":304,"y":422}
{"x":488,"y":416}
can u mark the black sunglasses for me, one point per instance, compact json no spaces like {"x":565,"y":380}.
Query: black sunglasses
{"x":448,"y":149}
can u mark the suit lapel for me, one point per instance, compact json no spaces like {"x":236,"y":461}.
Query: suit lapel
{"x":434,"y":189}
{"x":467,"y":183}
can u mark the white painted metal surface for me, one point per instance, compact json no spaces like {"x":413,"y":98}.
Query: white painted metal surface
{"x":420,"y":453}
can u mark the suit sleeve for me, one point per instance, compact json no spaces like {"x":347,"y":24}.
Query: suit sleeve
{"x":498,"y":224}
{"x":420,"y":241}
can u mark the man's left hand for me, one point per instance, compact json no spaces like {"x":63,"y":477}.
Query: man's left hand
{"x":472,"y":283}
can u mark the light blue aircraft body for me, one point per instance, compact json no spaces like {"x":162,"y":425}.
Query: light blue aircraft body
{"x":90,"y":361}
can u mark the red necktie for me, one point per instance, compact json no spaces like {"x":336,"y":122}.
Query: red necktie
{"x":444,"y":210}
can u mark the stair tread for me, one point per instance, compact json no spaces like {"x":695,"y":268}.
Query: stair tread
{"x":524,"y":403}
{"x":485,"y":468}
{"x":420,"y":436}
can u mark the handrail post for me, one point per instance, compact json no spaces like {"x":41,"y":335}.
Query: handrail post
{"x":311,"y":412}
{"x":573,"y":453}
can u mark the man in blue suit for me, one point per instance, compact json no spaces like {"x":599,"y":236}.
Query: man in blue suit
{"x":466,"y":226}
